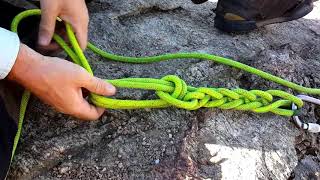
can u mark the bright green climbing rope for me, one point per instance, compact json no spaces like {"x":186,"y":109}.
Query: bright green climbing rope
{"x":171,"y":90}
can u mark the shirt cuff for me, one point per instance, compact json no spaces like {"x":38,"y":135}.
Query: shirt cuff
{"x":9,"y":49}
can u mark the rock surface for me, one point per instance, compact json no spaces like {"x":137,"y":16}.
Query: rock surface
{"x":172,"y":143}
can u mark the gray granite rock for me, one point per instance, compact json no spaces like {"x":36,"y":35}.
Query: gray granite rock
{"x":308,"y":168}
{"x":173,"y":143}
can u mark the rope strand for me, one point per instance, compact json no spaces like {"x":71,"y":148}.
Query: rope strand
{"x":171,"y":90}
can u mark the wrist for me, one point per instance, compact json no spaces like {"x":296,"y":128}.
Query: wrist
{"x":26,"y":60}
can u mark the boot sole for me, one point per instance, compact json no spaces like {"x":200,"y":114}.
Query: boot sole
{"x":248,"y":25}
{"x":199,"y":1}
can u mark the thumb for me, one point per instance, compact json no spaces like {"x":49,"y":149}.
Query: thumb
{"x":99,"y":86}
{"x":47,"y":27}
{"x":88,"y":111}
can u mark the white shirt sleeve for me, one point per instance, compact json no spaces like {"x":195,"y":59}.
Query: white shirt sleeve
{"x":9,"y":48}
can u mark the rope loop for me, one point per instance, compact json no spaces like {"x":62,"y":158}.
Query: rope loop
{"x":183,"y":96}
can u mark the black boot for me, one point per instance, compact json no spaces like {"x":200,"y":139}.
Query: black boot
{"x":246,"y":15}
{"x":199,"y":1}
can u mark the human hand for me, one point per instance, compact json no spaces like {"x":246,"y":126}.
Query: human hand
{"x":59,"y":83}
{"x":74,"y":12}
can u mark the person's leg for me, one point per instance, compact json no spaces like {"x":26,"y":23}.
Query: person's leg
{"x":10,"y":95}
{"x":8,"y":129}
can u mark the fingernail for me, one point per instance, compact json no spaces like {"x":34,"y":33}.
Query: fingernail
{"x":43,"y":40}
{"x":111,"y":88}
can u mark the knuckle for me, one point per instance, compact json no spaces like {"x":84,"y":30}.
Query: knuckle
{"x":81,"y":24}
{"x":82,"y":71}
{"x":83,"y":76}
{"x":48,"y":19}
{"x":76,"y":24}
{"x":45,"y":27}
{"x":97,"y":86}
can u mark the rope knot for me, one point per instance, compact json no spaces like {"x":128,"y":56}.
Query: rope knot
{"x":190,"y":98}
{"x":178,"y":97}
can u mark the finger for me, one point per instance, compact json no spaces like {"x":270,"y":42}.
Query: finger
{"x":99,"y":86}
{"x":47,"y":26}
{"x":52,"y":48}
{"x":87,"y":111}
{"x":81,"y":32}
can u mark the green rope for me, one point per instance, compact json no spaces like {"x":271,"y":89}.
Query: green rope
{"x":171,"y":90}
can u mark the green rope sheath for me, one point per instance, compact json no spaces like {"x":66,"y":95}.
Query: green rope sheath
{"x":171,"y":90}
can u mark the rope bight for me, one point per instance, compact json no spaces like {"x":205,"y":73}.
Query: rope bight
{"x":173,"y":91}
